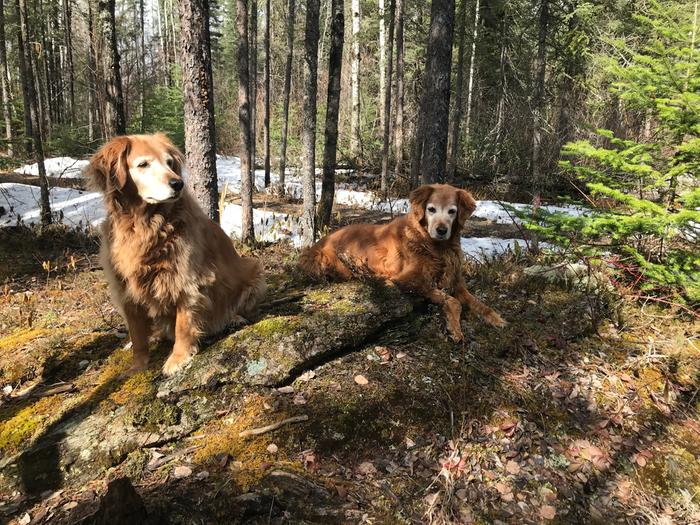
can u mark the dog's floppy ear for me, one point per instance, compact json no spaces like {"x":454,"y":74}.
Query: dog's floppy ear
{"x":418,"y":199}
{"x":176,"y":154}
{"x":109,"y":169}
{"x":466,"y":206}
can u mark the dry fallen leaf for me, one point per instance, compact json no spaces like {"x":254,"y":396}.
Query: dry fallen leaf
{"x":299,"y":399}
{"x":641,"y":460}
{"x":182,"y":472}
{"x":547,"y":512}
{"x":286,"y":389}
{"x":366,"y":468}
{"x":400,"y":355}
{"x":361,"y":380}
{"x":308,"y":375}
{"x":512,"y":468}
{"x":25,"y":520}
{"x":431,"y":499}
{"x":272,"y":448}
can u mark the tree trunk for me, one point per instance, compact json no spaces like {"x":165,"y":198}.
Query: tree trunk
{"x":355,"y":81}
{"x":436,"y":91}
{"x":266,"y":126}
{"x":457,"y":115}
{"x":386,"y":111}
{"x":500,"y":108}
{"x":398,"y":128}
{"x":311,"y":37}
{"x":287,"y":90}
{"x":25,"y":81}
{"x":382,"y":62}
{"x":198,"y":93}
{"x":5,"y":83}
{"x":68,"y":37}
{"x":253,"y":64}
{"x":330,"y":148}
{"x":472,"y":65}
{"x":36,"y":128}
{"x":93,"y":118}
{"x":538,"y":98}
{"x":114,"y":117}
{"x":247,"y":231}
{"x":142,"y":70}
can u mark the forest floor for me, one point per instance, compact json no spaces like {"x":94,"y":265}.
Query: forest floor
{"x":583,"y":410}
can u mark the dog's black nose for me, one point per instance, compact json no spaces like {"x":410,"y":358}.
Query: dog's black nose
{"x":442,"y":230}
{"x":176,"y":184}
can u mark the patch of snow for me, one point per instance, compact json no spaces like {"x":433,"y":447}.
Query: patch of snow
{"x":57,"y":167}
{"x":482,"y":248}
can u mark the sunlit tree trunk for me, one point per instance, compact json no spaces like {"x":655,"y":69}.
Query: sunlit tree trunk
{"x":247,"y":232}
{"x":386,"y":110}
{"x":311,"y":37}
{"x":68,"y":40}
{"x":25,"y":80}
{"x":5,"y":83}
{"x":382,"y":62}
{"x":456,"y":121}
{"x":253,"y":79}
{"x":399,"y":126}
{"x":114,"y":118}
{"x":330,"y":148}
{"x":355,"y":81}
{"x":142,"y":70}
{"x":266,"y":88}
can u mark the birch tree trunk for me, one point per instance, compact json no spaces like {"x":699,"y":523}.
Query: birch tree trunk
{"x":436,"y":91}
{"x":355,"y":81}
{"x":472,"y":62}
{"x":114,"y":117}
{"x":5,"y":83}
{"x":247,"y":232}
{"x":287,"y":90}
{"x":311,"y":37}
{"x":198,"y":94}
{"x":398,"y":128}
{"x":330,"y":148}
{"x":266,"y":88}
{"x":386,"y":111}
{"x":33,"y":109}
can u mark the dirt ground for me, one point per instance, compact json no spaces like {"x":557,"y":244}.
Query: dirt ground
{"x":583,"y":410}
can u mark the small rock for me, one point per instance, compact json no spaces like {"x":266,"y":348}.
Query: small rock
{"x":202,"y":475}
{"x":400,"y":355}
{"x":299,"y":399}
{"x":361,"y":380}
{"x":366,"y":469}
{"x":7,"y":390}
{"x":307,"y":376}
{"x":182,"y":472}
{"x":272,"y":448}
{"x":286,"y":389}
{"x":547,"y":512}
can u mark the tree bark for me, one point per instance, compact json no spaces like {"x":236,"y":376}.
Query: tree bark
{"x":355,"y":81}
{"x":253,"y":64}
{"x":436,"y":91}
{"x":5,"y":83}
{"x":287,"y":90}
{"x":114,"y":110}
{"x":68,"y":40}
{"x":311,"y":37}
{"x":36,"y":128}
{"x":247,"y":231}
{"x":457,"y":115}
{"x":198,"y":94}
{"x":25,"y":80}
{"x":472,"y":66}
{"x":93,"y":118}
{"x":266,"y":131}
{"x":538,"y":97}
{"x":386,"y":111}
{"x":142,"y":70}
{"x":398,"y":128}
{"x":330,"y":148}
{"x":382,"y":62}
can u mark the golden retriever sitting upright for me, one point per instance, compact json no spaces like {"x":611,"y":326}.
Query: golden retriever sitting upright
{"x":171,"y":270}
{"x":420,"y":252}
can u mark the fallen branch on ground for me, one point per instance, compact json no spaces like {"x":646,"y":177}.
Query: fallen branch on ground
{"x":273,"y":426}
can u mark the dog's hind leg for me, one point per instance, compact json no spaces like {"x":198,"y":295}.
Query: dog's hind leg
{"x":489,"y":315}
{"x":186,"y":335}
{"x":139,"y":330}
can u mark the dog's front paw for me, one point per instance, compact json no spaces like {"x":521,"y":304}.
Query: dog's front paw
{"x":177,"y":361}
{"x":494,"y":319}
{"x":457,"y":336}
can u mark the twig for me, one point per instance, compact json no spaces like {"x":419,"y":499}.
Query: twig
{"x":273,"y":426}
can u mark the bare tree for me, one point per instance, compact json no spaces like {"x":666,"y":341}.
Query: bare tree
{"x":472,"y":67}
{"x":538,"y":97}
{"x":311,"y":37}
{"x":382,"y":61}
{"x":5,"y":82}
{"x":198,"y":93}
{"x":247,"y":231}
{"x":28,"y":86}
{"x":287,"y":90}
{"x":435,"y":105}
{"x":253,"y":79}
{"x":115,"y":119}
{"x":142,"y":70}
{"x":266,"y":131}
{"x":386,"y":110}
{"x":330,"y":148}
{"x":355,"y":81}
{"x":25,"y":80}
{"x":68,"y":42}
{"x":398,"y":127}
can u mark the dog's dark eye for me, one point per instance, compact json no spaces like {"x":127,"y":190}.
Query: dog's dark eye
{"x":143,"y":164}
{"x":170,"y":163}
{"x":452,"y":212}
{"x":431,"y":209}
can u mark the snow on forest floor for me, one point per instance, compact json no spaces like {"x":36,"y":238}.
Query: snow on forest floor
{"x":19,"y":203}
